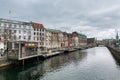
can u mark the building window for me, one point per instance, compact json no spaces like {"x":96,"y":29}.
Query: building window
{"x":24,"y":37}
{"x":37,"y":29}
{"x":34,"y":29}
{"x":10,"y":25}
{"x":29,"y":37}
{"x":43,"y":30}
{"x":19,"y":26}
{"x":29,"y":32}
{"x":10,"y":31}
{"x":37,"y":33}
{"x":37,"y":38}
{"x":14,"y":37}
{"x":19,"y":37}
{"x":19,"y":31}
{"x":24,"y":26}
{"x":15,"y":25}
{"x":24,"y":31}
{"x":14,"y":31}
{"x":34,"y":33}
{"x":42,"y":43}
{"x":34,"y":38}
{"x":5,"y":25}
{"x":40,"y":38}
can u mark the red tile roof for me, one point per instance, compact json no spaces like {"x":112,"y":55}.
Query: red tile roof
{"x":37,"y":25}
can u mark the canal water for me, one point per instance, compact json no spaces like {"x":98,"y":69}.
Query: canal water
{"x":90,"y":64}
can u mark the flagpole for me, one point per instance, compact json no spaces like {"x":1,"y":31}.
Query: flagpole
{"x":9,"y":14}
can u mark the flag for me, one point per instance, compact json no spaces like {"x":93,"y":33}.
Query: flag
{"x":9,"y":11}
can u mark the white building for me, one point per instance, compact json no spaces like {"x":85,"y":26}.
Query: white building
{"x":25,"y":38}
{"x":39,"y":34}
{"x":16,"y":31}
{"x":1,"y":39}
{"x":54,"y":38}
{"x":48,"y":42}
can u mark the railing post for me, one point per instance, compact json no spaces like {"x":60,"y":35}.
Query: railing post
{"x":19,"y":51}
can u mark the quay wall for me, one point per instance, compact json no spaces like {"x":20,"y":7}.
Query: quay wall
{"x":115,"y":52}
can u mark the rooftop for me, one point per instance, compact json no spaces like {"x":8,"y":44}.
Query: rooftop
{"x":14,"y":21}
{"x":53,"y":30}
{"x":37,"y":25}
{"x":79,"y":34}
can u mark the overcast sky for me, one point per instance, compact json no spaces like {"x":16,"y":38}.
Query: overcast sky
{"x":95,"y":18}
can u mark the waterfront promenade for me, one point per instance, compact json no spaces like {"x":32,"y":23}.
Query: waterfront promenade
{"x":9,"y":59}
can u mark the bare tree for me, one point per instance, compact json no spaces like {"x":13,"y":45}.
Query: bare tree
{"x":8,"y":36}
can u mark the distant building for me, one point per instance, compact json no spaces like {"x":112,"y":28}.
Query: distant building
{"x":117,"y":40}
{"x":79,"y":40}
{"x":91,"y":41}
{"x":65,"y":40}
{"x":75,"y":38}
{"x":117,"y":37}
{"x":82,"y":40}
{"x":99,"y":42}
{"x":70,"y":40}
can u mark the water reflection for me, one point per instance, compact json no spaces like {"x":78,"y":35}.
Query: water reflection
{"x":38,"y":71}
{"x":91,"y":64}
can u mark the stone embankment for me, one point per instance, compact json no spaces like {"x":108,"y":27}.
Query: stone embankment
{"x":115,"y":52}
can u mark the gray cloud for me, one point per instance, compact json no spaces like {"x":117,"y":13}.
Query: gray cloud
{"x":92,"y":17}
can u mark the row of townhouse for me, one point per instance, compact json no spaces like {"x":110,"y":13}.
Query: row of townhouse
{"x":32,"y":34}
{"x":11,"y":30}
{"x":59,"y":39}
